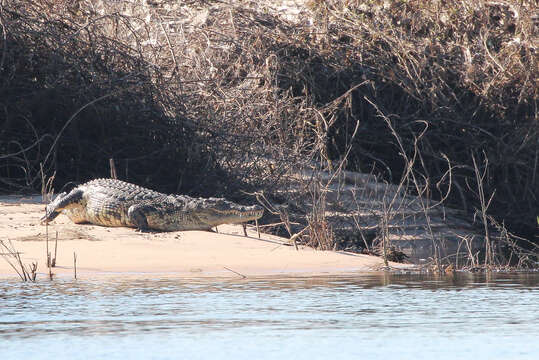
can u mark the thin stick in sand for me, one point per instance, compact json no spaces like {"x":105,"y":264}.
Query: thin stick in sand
{"x":47,"y":242}
{"x":53,"y":262}
{"x":50,"y":273}
{"x":49,"y":262}
{"x":75,"y":264}
{"x":33,"y":271}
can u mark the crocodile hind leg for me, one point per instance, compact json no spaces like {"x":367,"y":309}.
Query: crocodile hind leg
{"x":136,"y":214}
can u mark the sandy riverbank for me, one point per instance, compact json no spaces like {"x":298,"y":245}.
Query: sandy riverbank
{"x":103,"y":250}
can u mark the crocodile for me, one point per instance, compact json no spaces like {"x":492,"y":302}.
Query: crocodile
{"x":111,"y":202}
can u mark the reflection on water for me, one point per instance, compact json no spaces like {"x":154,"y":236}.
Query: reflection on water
{"x":406,"y":316}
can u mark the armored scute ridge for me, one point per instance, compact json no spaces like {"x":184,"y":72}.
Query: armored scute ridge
{"x":110,"y":202}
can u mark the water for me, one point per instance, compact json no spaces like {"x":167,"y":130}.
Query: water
{"x":364,"y":317}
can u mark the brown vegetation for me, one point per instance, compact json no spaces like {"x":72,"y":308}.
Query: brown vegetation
{"x":206,"y":98}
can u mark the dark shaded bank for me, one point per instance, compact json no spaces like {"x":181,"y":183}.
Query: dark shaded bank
{"x":73,"y":98}
{"x":209,"y":98}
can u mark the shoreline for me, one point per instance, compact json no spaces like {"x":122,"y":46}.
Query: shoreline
{"x":104,"y":251}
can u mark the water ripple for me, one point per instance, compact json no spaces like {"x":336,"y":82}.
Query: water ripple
{"x":149,"y":314}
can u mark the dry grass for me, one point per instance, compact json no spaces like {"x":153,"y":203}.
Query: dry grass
{"x":13,"y":258}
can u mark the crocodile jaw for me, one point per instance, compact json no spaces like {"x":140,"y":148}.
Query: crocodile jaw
{"x":232,"y":216}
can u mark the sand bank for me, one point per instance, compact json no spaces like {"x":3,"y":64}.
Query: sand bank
{"x":105,"y":250}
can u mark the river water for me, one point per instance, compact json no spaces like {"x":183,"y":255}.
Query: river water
{"x":374,"y":316}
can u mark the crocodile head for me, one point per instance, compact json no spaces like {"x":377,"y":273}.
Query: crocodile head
{"x":52,"y":210}
{"x":63,"y":202}
{"x":217,"y":211}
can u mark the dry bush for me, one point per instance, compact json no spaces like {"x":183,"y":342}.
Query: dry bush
{"x":468,"y":70}
{"x":192,"y":103}
{"x":73,"y":96}
{"x":207,"y":98}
